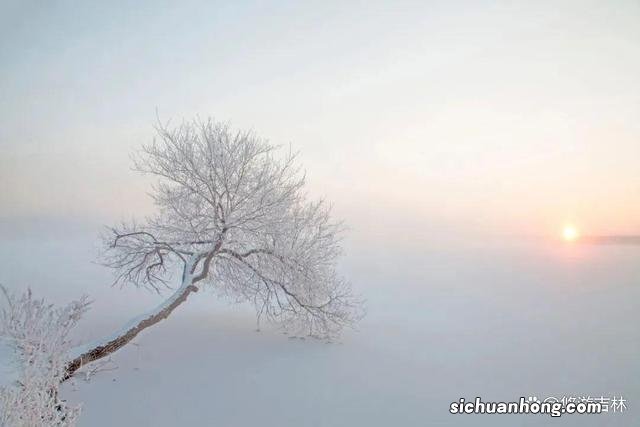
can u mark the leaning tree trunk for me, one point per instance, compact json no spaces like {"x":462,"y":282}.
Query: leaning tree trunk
{"x":105,"y":347}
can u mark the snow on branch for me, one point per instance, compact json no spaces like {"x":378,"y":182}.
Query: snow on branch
{"x":37,"y":335}
{"x":234,"y":208}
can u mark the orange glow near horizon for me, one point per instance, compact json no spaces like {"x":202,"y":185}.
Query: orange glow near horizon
{"x":570,"y":233}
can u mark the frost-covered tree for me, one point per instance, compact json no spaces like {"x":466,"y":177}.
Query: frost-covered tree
{"x":233,"y":215}
{"x":36,"y":336}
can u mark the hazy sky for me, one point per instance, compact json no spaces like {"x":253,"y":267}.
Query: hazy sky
{"x":509,"y":116}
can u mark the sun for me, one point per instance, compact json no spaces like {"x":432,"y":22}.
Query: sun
{"x":570,"y":233}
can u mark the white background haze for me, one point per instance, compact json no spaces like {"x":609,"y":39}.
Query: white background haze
{"x":455,"y":138}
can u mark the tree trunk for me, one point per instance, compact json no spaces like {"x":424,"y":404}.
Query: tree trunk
{"x":132,"y":329}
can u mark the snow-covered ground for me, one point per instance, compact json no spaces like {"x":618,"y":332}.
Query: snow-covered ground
{"x":446,"y":319}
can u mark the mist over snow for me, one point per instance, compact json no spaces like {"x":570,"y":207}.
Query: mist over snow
{"x":455,"y":139}
{"x":448,"y":317}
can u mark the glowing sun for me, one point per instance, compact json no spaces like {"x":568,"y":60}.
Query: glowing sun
{"x":570,"y":233}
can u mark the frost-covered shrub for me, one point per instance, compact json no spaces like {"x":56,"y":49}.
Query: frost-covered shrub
{"x":37,"y":335}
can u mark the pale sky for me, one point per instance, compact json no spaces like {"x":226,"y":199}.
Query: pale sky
{"x":507,"y":116}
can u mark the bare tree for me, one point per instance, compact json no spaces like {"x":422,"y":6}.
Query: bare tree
{"x":231,"y":215}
